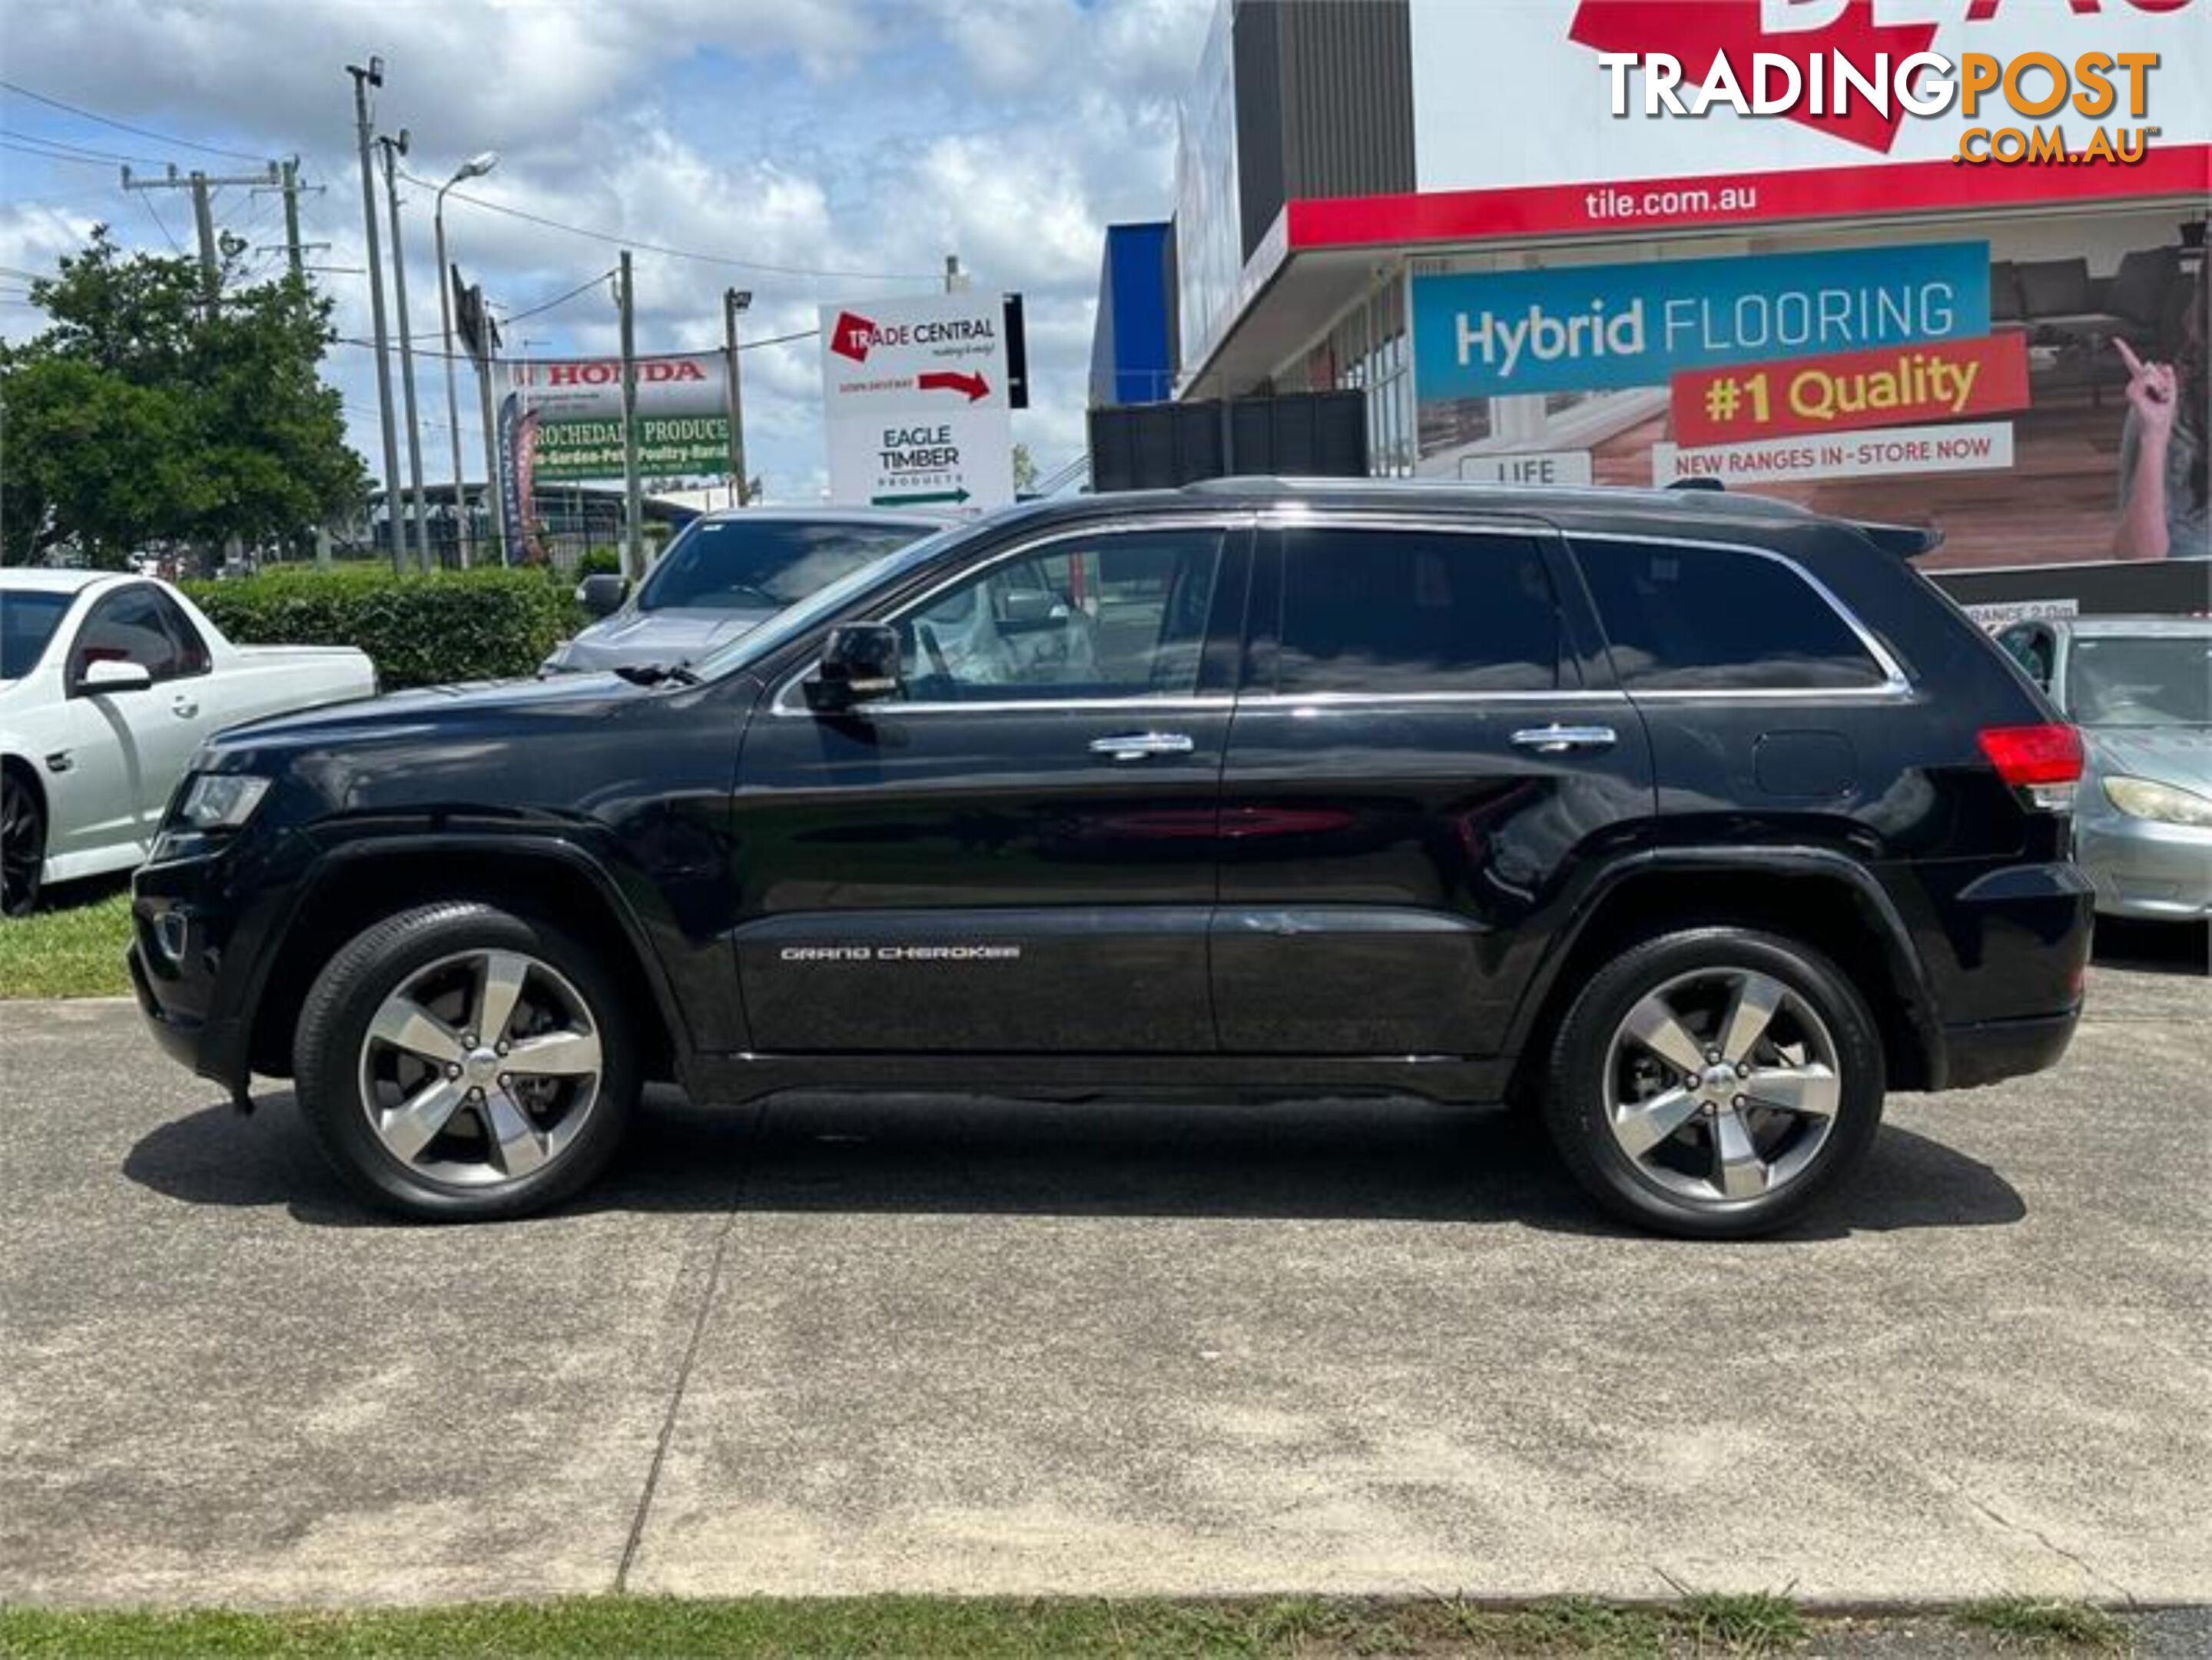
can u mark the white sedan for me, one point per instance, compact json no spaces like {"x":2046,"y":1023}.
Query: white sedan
{"x":107,"y":684}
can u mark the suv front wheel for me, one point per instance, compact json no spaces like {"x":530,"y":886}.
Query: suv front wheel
{"x":1712,"y":1083}
{"x":458,"y":1062}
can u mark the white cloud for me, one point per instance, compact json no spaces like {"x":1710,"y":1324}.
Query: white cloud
{"x":860,"y":136}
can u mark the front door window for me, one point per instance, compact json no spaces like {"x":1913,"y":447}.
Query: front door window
{"x":1115,"y":617}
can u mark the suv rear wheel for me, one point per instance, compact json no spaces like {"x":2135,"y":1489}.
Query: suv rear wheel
{"x":1712,"y":1083}
{"x":460,"y":1062}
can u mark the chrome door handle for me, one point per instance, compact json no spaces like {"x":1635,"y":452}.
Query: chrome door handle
{"x":1136,"y":745}
{"x":184,"y":707}
{"x":1558,"y":740}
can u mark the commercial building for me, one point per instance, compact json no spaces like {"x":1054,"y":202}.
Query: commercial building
{"x":1435,"y":203}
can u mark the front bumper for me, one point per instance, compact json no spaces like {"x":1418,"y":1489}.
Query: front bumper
{"x":2149,"y":869}
{"x":198,"y":929}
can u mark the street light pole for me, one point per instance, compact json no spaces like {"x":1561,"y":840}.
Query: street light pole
{"x":363,"y":79}
{"x":475,"y":167}
{"x":393,"y":149}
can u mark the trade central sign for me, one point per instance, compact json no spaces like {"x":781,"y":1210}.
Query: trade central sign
{"x":914,"y":397}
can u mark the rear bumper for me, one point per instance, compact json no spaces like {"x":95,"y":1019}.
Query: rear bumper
{"x":1992,"y":1050}
{"x":2009,"y":989}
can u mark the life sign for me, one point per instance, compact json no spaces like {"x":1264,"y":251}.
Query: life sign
{"x":1584,"y":328}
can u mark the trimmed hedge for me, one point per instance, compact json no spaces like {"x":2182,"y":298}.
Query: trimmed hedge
{"x":422,"y":630}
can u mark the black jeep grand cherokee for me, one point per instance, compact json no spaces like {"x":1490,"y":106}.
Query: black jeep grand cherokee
{"x":1697,"y":822}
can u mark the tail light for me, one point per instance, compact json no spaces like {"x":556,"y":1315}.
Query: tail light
{"x":2044,"y":761}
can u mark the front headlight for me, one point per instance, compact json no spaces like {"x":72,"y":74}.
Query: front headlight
{"x":221,"y":800}
{"x":2169,"y":804}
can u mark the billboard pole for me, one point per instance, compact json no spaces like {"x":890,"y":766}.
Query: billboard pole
{"x":735,"y":300}
{"x":633,"y":497}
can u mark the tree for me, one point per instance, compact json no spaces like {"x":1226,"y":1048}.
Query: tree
{"x":140,"y":416}
{"x":1025,"y":471}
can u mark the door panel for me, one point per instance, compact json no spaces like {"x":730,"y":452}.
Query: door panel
{"x":154,"y":730}
{"x":1018,"y":855}
{"x":1415,"y":777}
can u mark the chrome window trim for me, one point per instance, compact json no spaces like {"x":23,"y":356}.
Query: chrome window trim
{"x":1894,"y":682}
{"x":787,"y":700}
{"x":1293,"y":700}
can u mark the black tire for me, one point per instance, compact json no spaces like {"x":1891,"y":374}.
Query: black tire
{"x":333,"y":1027}
{"x":22,"y":844}
{"x":1579,"y":1092}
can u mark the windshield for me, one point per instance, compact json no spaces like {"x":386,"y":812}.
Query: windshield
{"x":725,"y":564}
{"x":779,"y":630}
{"x":27,"y":621}
{"x":2140,"y":680}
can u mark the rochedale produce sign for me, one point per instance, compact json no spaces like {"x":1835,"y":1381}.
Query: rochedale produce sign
{"x":683,"y":423}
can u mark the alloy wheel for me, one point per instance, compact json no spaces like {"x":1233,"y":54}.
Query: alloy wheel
{"x":1722,"y":1085}
{"x":481,"y":1068}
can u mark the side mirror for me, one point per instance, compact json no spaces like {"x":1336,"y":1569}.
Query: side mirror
{"x":112,"y":674}
{"x":603,"y":593}
{"x":859,"y":664}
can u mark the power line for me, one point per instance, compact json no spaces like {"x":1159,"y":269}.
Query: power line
{"x":174,"y":244}
{"x":589,"y":284}
{"x":124,"y":126}
{"x":674,"y":253}
{"x":56,"y":155}
{"x":463,"y":357}
{"x":76,"y":152}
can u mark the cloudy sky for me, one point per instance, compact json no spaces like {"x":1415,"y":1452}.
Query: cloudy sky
{"x":841,"y":149}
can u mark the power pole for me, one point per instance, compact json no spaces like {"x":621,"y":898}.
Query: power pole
{"x":288,"y":186}
{"x":204,"y":221}
{"x":201,"y":186}
{"x":393,"y":149}
{"x":734,"y":302}
{"x":292,"y":215}
{"x":364,"y":133}
{"x":633,"y":494}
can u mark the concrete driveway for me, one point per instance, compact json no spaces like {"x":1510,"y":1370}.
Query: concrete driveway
{"x":975,"y":1347}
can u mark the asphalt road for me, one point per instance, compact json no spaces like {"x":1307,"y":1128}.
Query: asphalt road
{"x":966,"y":1345}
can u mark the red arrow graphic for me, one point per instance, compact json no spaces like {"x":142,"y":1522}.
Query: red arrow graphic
{"x":945,"y":380}
{"x":1695,"y":32}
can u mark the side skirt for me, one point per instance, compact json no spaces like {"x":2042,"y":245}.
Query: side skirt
{"x":733,"y":1078}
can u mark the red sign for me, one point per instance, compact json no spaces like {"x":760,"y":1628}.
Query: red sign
{"x":852,"y":337}
{"x":1696,"y":34}
{"x":1904,"y":386}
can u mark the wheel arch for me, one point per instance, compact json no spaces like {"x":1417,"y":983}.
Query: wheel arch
{"x":1825,"y":899}
{"x":15,"y":765}
{"x":13,"y":760}
{"x":350,"y":888}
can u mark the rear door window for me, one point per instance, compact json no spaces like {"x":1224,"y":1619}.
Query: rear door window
{"x":1718,"y":619}
{"x":1387,"y":611}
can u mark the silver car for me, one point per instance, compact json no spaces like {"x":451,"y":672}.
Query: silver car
{"x":2140,"y":688}
{"x":725,"y":574}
